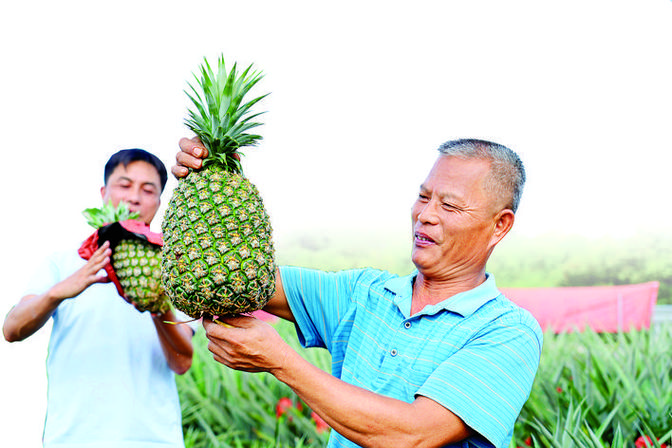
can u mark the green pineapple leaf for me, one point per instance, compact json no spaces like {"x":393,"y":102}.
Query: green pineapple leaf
{"x":98,"y":217}
{"x":220,"y":118}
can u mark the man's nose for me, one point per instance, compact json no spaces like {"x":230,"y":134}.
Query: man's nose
{"x":133,"y":196}
{"x":428,"y":213}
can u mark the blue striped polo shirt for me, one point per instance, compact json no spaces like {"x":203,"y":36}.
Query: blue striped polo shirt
{"x":475,"y":353}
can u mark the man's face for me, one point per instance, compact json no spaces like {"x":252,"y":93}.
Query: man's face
{"x":137,"y":184}
{"x":454,"y":220}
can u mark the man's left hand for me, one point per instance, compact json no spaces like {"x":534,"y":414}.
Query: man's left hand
{"x":245,"y":343}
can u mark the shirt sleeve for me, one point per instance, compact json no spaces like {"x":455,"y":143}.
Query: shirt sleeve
{"x":46,"y":275}
{"x":319,"y":301}
{"x":487,"y":382}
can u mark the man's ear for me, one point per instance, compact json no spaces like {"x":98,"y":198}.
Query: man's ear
{"x":504,"y":222}
{"x":102,"y":192}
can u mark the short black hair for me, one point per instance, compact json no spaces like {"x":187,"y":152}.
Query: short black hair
{"x":127,"y":156}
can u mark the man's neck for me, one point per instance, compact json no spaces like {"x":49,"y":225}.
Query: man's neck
{"x":430,"y":291}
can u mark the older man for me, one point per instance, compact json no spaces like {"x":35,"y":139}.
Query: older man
{"x":436,"y":358}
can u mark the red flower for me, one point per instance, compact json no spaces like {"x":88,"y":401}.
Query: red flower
{"x":320,"y":424}
{"x":282,"y":406}
{"x":558,"y":389}
{"x":645,"y":442}
{"x":528,"y":441}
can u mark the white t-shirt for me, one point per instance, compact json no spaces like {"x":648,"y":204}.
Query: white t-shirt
{"x":109,"y":384}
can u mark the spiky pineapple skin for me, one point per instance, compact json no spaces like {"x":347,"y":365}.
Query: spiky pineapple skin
{"x":137,"y":265}
{"x":218,"y":255}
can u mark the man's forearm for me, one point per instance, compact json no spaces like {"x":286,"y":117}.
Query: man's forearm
{"x":277,"y":305}
{"x":367,"y":418}
{"x":29,"y":315}
{"x":176,"y":342}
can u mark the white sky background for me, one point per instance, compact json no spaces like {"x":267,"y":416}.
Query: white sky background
{"x":362,"y":94}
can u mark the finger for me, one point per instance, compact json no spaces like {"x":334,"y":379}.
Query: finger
{"x":102,"y":252}
{"x":179,"y":171}
{"x":188,"y":161}
{"x":221,"y":360}
{"x":102,"y":249}
{"x":212,"y":330}
{"x":193,"y":147}
{"x":103,"y":279}
{"x":218,"y":351}
{"x":100,"y":258}
{"x":96,"y":264}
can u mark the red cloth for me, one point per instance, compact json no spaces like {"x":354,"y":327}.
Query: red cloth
{"x":601,"y":308}
{"x":115,"y":232}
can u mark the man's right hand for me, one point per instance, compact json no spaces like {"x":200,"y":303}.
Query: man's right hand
{"x":84,"y":277}
{"x":191,"y":155}
{"x":34,"y":310}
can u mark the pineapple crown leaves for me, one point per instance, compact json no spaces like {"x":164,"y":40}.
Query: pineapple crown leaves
{"x":221,"y":119}
{"x":108,"y":213}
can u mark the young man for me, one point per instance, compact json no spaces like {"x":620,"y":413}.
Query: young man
{"x":110,"y":368}
{"x":436,"y":358}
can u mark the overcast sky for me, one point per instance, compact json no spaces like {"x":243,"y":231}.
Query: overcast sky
{"x":362,"y":93}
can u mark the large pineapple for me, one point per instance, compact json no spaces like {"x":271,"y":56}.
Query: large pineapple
{"x":218,"y":256}
{"x":136,"y":256}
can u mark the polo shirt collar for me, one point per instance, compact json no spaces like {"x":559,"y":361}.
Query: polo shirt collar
{"x":464,"y":303}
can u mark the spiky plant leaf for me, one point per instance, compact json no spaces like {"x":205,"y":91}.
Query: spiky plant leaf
{"x":108,"y":213}
{"x":220,"y":118}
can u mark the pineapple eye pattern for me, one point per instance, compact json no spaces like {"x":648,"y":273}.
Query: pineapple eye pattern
{"x":218,"y":256}
{"x":137,"y":264}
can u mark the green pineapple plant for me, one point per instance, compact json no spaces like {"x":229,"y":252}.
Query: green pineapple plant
{"x":136,"y":262}
{"x":218,"y":255}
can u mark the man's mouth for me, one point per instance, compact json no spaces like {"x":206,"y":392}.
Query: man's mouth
{"x":422,"y":239}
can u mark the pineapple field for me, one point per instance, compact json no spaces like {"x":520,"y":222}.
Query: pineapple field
{"x":592,"y":391}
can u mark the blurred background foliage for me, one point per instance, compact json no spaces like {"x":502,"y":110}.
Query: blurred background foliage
{"x":518,"y":261}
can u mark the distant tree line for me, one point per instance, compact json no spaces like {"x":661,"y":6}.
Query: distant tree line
{"x":540,"y":261}
{"x":580,"y":261}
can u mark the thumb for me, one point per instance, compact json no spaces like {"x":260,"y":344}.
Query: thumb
{"x":103,"y":279}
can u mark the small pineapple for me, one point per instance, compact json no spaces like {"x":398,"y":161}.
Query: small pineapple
{"x":218,"y":256}
{"x":136,"y":262}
